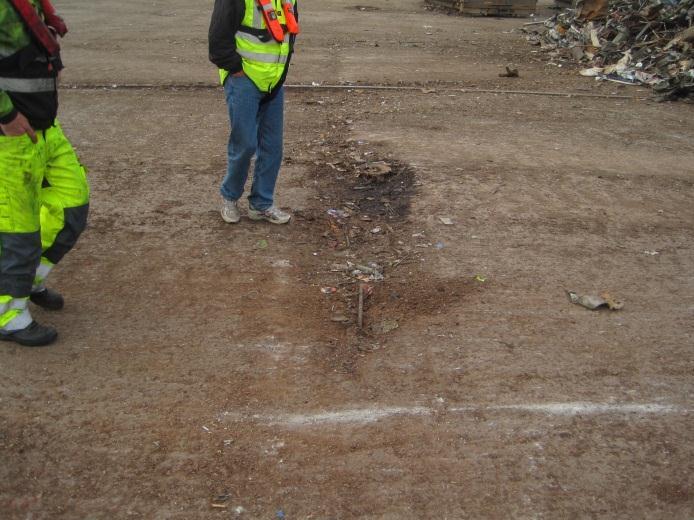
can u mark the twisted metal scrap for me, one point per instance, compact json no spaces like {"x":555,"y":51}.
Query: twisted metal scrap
{"x":631,"y":41}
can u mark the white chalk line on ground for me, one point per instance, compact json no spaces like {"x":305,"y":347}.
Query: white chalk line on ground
{"x":373,"y":414}
{"x":579,"y":408}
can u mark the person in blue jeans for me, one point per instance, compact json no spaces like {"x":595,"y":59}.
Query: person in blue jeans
{"x":251,"y":42}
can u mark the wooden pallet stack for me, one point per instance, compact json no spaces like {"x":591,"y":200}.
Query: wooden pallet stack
{"x":490,"y":7}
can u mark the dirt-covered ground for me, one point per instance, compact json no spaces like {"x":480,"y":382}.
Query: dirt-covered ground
{"x":207,"y":370}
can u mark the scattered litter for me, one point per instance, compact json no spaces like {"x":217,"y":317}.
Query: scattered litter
{"x":339,"y":213}
{"x":481,"y":278}
{"x":439,"y":245}
{"x":385,"y":326}
{"x":366,"y":218}
{"x":592,"y":72}
{"x":281,"y":263}
{"x":340,"y":318}
{"x":220,"y":502}
{"x":376,"y":230}
{"x":368,"y":273}
{"x":510,"y":73}
{"x":372,"y":268}
{"x":645,"y":42}
{"x":262,"y":244}
{"x":239,"y":510}
{"x":592,"y":302}
{"x":228,"y":442}
{"x":280,"y":515}
{"x":651,"y":253}
{"x":446,"y":221}
{"x":378,"y":169}
{"x":206,"y":429}
{"x":328,"y":290}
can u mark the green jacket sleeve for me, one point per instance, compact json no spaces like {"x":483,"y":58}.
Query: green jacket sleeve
{"x":13,"y":36}
{"x":7,"y":110}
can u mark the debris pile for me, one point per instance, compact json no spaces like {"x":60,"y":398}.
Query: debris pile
{"x":647,"y":42}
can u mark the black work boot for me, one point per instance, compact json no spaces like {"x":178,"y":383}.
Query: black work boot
{"x":34,"y":335}
{"x":48,"y":299}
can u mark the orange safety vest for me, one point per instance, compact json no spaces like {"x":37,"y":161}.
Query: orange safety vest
{"x":290,"y":17}
{"x":273,"y":24}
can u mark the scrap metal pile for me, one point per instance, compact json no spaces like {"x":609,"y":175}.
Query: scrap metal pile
{"x":649,"y":42}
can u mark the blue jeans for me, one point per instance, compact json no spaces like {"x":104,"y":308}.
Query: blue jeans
{"x":256,"y":129}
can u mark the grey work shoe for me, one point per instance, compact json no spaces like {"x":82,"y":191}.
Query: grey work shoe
{"x":273,"y":214}
{"x":48,"y":299}
{"x":34,"y":335}
{"x":230,"y":211}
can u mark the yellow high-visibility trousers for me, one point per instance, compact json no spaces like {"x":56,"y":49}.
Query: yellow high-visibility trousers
{"x":44,"y":202}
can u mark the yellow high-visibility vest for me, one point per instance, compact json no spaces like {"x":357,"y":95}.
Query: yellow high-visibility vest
{"x":263,"y":58}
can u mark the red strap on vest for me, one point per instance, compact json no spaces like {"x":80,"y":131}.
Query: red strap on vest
{"x":52,"y":19}
{"x":37,"y":26}
{"x":273,"y":24}
{"x":290,"y":17}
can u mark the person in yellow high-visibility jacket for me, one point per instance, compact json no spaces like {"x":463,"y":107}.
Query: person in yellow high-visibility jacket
{"x":44,"y":195}
{"x":253,"y":65}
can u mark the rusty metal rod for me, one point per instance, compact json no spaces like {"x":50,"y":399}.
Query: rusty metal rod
{"x":206,"y":86}
{"x":360,"y":310}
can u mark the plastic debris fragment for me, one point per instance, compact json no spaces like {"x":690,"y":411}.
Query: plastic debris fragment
{"x":604,"y":300}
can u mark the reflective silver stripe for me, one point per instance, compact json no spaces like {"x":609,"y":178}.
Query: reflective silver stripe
{"x":6,"y":51}
{"x":27,"y":85}
{"x":257,"y":18}
{"x":19,"y":322}
{"x":17,"y":304}
{"x":42,"y":272}
{"x":252,"y":39}
{"x":262,"y":58}
{"x":22,"y":320}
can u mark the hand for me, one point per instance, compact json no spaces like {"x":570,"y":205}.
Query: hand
{"x":19,"y":126}
{"x":239,"y":74}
